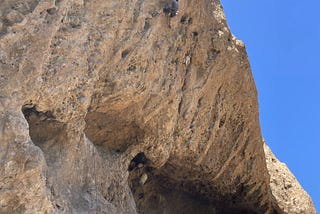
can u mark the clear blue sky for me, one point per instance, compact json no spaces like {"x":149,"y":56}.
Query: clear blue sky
{"x":282,"y":38}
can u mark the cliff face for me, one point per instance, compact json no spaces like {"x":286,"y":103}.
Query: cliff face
{"x":112,"y":107}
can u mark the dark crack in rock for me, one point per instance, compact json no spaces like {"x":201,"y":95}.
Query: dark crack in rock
{"x":113,"y":107}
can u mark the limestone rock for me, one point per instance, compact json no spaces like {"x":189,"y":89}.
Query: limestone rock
{"x":290,"y":196}
{"x":143,"y":179}
{"x":97,"y":94}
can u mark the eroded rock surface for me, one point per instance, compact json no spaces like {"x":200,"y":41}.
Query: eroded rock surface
{"x":289,"y":194}
{"x":110,"y":107}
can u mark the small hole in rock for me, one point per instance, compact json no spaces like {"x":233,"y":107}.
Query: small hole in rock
{"x":51,"y":11}
{"x":183,"y":19}
{"x":124,"y":54}
{"x":140,"y":158}
{"x":132,"y":68}
{"x":147,"y":25}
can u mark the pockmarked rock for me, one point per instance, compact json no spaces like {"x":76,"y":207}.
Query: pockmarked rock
{"x":116,"y":107}
{"x":290,"y":196}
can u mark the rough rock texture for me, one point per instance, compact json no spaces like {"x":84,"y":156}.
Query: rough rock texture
{"x":290,"y":196}
{"x":110,"y":107}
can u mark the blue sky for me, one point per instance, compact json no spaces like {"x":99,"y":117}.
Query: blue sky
{"x":283,"y":43}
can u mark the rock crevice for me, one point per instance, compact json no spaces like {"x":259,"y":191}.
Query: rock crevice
{"x":112,"y":107}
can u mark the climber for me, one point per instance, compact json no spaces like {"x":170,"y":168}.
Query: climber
{"x":171,"y":8}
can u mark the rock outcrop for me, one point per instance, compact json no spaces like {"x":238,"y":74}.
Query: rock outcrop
{"x":112,"y":107}
{"x":290,"y":197}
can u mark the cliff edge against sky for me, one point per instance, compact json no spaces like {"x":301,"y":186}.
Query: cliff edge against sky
{"x":112,"y":107}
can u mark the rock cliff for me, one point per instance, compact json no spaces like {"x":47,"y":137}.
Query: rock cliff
{"x":112,"y":107}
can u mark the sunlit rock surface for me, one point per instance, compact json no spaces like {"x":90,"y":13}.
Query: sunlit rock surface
{"x":112,"y":107}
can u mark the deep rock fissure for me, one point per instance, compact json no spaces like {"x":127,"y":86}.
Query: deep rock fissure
{"x":163,"y":191}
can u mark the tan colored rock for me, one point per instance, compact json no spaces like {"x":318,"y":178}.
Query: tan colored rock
{"x":95,"y":94}
{"x":290,"y":196}
{"x":143,"y":178}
